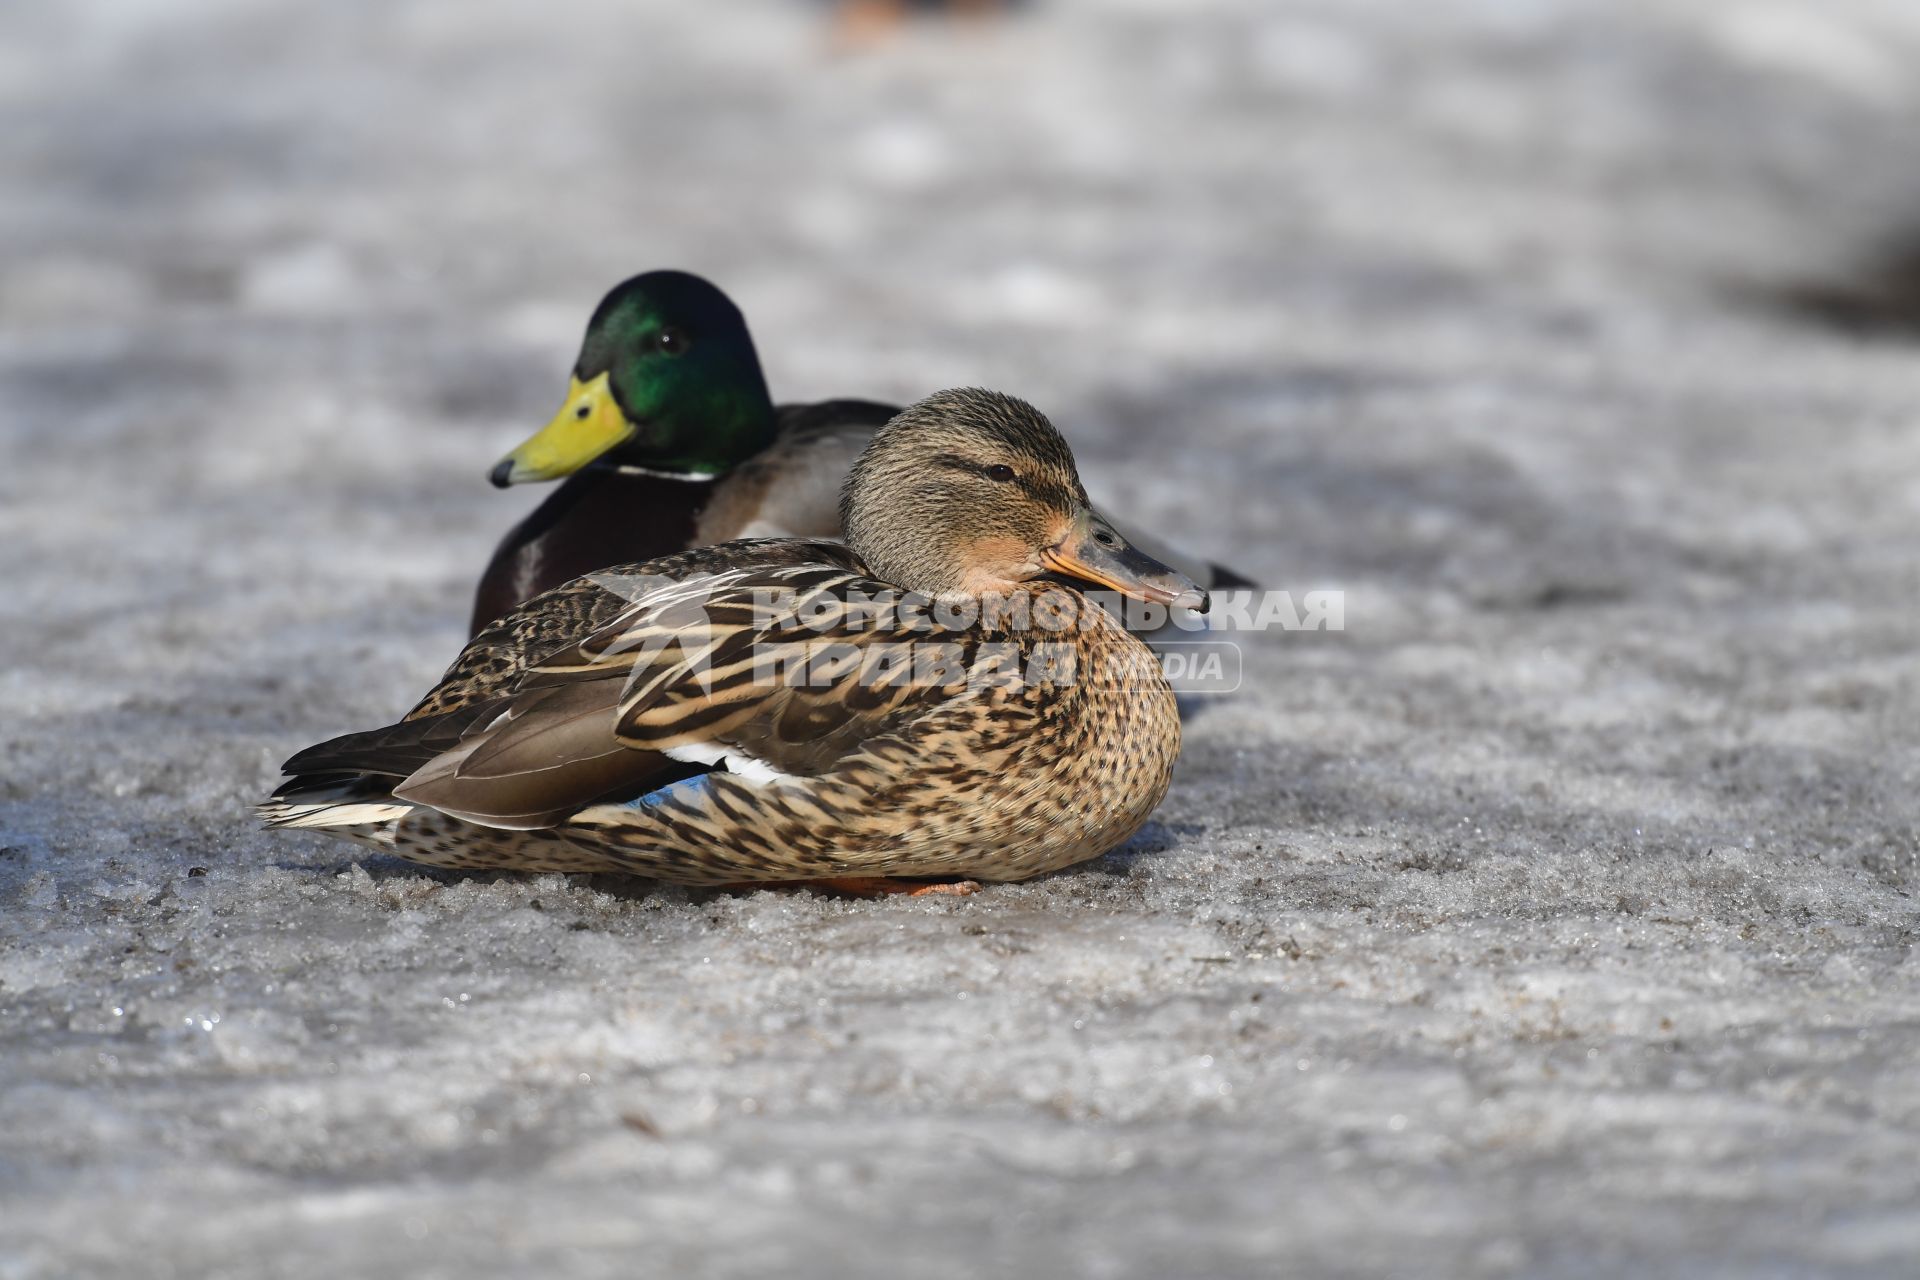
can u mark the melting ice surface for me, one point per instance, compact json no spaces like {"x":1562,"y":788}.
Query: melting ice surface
{"x":1552,"y":919}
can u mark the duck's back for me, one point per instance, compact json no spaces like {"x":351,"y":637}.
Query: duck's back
{"x":791,"y":489}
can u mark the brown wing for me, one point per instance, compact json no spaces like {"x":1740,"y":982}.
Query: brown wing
{"x":549,"y":752}
{"x":762,"y":669}
{"x":494,"y":660}
{"x":507,"y":743}
{"x":395,"y":750}
{"x":788,"y":671}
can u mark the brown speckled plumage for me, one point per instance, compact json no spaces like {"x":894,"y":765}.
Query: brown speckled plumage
{"x":739,"y":713}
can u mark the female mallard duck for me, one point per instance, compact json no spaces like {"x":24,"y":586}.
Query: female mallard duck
{"x":758,"y":712}
{"x":669,"y":440}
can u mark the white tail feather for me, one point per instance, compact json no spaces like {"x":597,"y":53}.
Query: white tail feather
{"x":334,"y":814}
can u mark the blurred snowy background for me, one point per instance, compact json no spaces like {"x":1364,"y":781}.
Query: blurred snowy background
{"x":1554,"y":920}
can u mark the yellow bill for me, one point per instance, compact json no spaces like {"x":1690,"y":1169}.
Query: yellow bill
{"x":588,"y":424}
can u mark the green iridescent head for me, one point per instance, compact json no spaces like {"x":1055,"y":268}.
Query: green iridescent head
{"x":667,"y":382}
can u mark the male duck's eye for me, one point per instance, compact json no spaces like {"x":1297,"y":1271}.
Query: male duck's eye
{"x":1000,"y":471}
{"x":672,"y":341}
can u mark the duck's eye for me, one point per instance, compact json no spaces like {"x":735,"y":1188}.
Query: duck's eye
{"x":672,"y":341}
{"x":1000,"y":471}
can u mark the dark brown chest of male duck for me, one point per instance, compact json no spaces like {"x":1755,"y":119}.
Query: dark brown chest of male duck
{"x":598,"y":517}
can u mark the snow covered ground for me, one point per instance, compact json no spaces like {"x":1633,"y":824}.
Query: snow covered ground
{"x":1554,"y":919}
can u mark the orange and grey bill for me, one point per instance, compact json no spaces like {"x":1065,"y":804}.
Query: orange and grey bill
{"x":1094,"y":551}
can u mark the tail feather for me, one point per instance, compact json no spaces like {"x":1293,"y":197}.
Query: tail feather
{"x":331,"y":815}
{"x":360,"y":808}
{"x":325,"y":802}
{"x":1221,"y":578}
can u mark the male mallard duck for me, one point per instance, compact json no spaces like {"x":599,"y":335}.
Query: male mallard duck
{"x":669,"y":440}
{"x":745,"y":712}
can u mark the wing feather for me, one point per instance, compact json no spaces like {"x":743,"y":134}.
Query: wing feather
{"x":762,"y":659}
